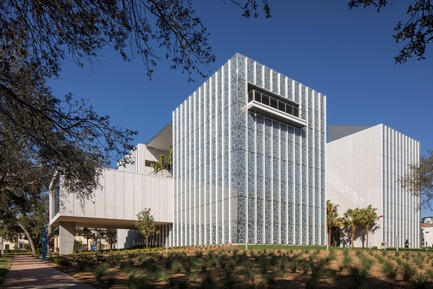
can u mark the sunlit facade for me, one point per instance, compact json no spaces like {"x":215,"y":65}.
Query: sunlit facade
{"x":365,"y":166}
{"x":248,"y":167}
{"x":249,"y":160}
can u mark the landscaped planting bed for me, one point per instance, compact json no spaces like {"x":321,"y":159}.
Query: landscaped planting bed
{"x":231,"y":267}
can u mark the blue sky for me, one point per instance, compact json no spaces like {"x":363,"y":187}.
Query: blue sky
{"x":345,"y":54}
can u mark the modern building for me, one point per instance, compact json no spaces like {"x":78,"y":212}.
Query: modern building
{"x":364,"y":166}
{"x":427,"y":220}
{"x":248,"y":166}
{"x":249,"y":159}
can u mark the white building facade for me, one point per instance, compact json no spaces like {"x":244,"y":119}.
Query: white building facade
{"x":249,"y":160}
{"x":248,"y":166}
{"x":364,"y":166}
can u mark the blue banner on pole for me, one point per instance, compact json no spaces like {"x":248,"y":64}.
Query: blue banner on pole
{"x":44,"y":244}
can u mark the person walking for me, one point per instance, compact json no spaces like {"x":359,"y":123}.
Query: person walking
{"x":406,"y":244}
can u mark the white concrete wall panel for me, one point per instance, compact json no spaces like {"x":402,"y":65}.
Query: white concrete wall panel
{"x":137,"y":195}
{"x":363,"y":169}
{"x":109,"y":194}
{"x":121,"y":196}
{"x":129,"y":193}
{"x":99,"y":197}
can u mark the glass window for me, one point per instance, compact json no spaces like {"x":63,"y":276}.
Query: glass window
{"x":265,"y":99}
{"x":282,"y":106}
{"x":251,"y":95}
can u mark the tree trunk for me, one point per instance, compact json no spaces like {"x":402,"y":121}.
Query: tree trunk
{"x":29,"y":237}
{"x":353,"y":237}
{"x":366,"y":233}
{"x":1,"y":248}
{"x":48,"y":239}
{"x":329,"y":238}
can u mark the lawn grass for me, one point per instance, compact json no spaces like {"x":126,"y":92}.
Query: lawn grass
{"x":5,"y":264}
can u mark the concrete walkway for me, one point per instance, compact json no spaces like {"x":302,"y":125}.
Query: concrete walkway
{"x":29,"y":272}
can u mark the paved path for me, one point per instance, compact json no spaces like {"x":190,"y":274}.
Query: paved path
{"x":28,"y":272}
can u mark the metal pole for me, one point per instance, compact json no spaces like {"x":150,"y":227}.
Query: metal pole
{"x":396,"y":243}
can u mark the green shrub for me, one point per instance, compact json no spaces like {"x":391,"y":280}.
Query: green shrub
{"x":213,"y":262}
{"x":62,"y":261}
{"x":149,"y":266}
{"x":137,"y":281}
{"x":293,"y":265}
{"x":198,"y":253}
{"x":305,"y":265}
{"x":177,"y":266}
{"x":84,"y":265}
{"x":101,"y":271}
{"x":208,"y":281}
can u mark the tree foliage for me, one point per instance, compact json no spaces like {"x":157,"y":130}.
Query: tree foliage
{"x":332,"y":218}
{"x":367,"y":219}
{"x":110,"y":236}
{"x":419,"y":180}
{"x":46,"y":32}
{"x":165,"y":162}
{"x":146,"y":225}
{"x":86,"y":233}
{"x":352,"y":221}
{"x":47,"y":139}
{"x":415,"y":33}
{"x":364,"y":218}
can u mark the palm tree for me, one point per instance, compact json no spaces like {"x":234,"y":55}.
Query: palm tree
{"x":332,"y":219}
{"x":160,"y":164}
{"x":165,"y":162}
{"x":352,"y":220}
{"x":169,"y":159}
{"x":368,"y":219}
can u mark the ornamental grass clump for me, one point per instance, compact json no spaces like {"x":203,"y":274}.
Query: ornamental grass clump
{"x":420,"y":280}
{"x":358,"y":276}
{"x":347,"y":261}
{"x":318,"y":270}
{"x":293,"y":263}
{"x":101,"y":271}
{"x":389,"y":270}
{"x":408,"y":272}
{"x":419,"y":260}
{"x":366,"y":263}
{"x":332,"y":255}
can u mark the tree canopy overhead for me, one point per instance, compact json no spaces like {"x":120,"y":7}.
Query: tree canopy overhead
{"x":46,"y":32}
{"x":416,"y":33}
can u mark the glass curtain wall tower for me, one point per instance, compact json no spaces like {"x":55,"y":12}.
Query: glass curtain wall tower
{"x":249,"y":160}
